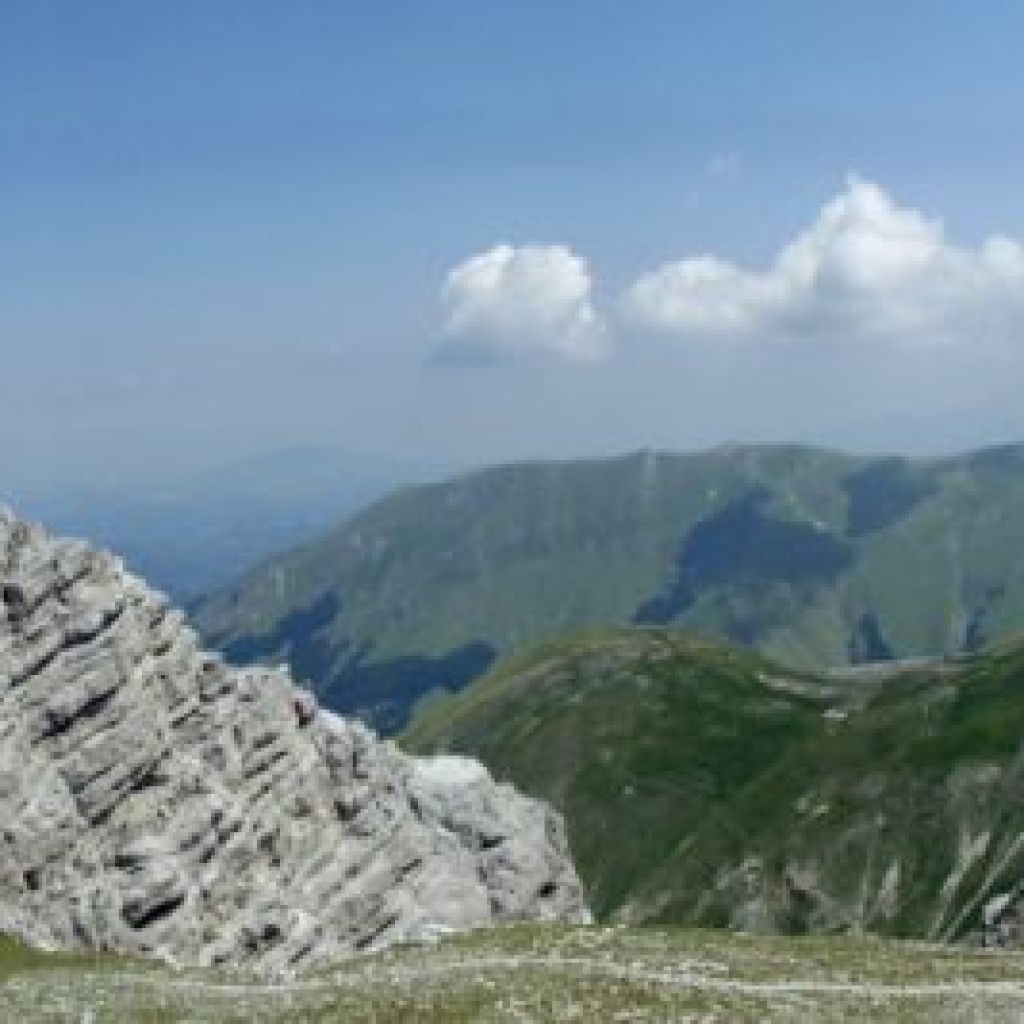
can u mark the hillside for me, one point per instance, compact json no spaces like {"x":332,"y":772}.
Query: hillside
{"x":813,"y":557}
{"x":708,"y":786}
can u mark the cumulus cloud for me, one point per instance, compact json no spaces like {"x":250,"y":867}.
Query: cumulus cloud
{"x":865,"y":270}
{"x":514,"y":300}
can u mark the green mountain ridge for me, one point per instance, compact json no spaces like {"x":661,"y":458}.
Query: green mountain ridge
{"x":709,"y":786}
{"x":810,"y":556}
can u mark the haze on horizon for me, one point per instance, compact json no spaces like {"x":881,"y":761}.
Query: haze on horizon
{"x":457,"y":233}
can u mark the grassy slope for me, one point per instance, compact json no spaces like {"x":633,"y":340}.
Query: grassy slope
{"x":707,"y":786}
{"x":507,"y":554}
{"x":511,"y":556}
{"x":634,"y":735}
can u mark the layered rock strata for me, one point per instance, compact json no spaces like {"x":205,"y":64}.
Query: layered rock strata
{"x":155,"y":800}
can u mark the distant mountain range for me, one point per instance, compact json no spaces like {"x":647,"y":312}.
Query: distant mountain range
{"x":706,"y":785}
{"x":192,"y":535}
{"x":812,"y":557}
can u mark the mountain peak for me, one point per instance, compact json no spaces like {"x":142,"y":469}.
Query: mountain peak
{"x":156,"y":800}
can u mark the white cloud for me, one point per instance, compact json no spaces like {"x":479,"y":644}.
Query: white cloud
{"x":865,"y":270}
{"x":516,"y":300}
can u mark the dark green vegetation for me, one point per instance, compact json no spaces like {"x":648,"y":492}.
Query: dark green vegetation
{"x":812,"y":557}
{"x":706,"y":785}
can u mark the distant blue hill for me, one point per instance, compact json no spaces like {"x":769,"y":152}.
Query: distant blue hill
{"x":194,"y":535}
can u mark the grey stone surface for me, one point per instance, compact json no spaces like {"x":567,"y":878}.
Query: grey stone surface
{"x":154,"y":800}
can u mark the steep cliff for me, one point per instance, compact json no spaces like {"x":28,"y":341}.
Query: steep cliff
{"x":156,"y":800}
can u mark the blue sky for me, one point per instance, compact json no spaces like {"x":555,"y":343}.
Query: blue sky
{"x":228,"y":227}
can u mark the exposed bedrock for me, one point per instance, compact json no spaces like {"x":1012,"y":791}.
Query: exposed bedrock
{"x":155,"y":800}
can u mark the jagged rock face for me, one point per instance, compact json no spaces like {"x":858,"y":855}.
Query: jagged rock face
{"x":155,"y":800}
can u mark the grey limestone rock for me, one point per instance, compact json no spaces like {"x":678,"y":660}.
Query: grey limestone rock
{"x":155,"y":800}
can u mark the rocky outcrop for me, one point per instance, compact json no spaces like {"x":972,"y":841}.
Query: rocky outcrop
{"x":156,"y":800}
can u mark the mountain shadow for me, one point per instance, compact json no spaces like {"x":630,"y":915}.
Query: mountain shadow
{"x":382,"y":693}
{"x":741,"y":544}
{"x":882,"y":493}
